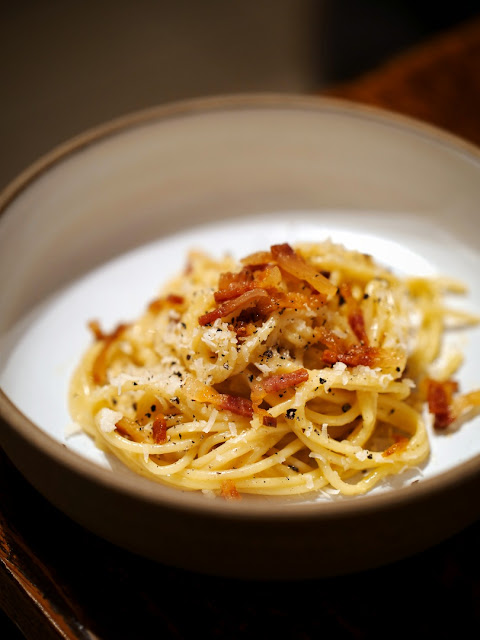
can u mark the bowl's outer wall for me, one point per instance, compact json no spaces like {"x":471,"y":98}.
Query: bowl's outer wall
{"x":251,"y":547}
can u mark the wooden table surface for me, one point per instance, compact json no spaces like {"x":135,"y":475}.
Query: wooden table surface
{"x":59,"y":581}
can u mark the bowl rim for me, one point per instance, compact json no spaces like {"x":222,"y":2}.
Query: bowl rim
{"x":157,"y":494}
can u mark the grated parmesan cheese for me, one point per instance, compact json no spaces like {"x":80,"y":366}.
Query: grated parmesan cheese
{"x":361,"y":455}
{"x":309,"y":482}
{"x":107,"y":419}
{"x":211,"y":421}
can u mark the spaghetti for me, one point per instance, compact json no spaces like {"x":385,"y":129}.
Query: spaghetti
{"x":295,"y":370}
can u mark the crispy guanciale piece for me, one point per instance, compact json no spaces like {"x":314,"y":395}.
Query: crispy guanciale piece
{"x":338,"y":350}
{"x":159,"y":430}
{"x":357,"y":323}
{"x":231,"y":285}
{"x":293,"y":263}
{"x":230,"y":282}
{"x":439,"y":398}
{"x":229,"y":490}
{"x":100,"y":364}
{"x":171,"y":300}
{"x":231,"y":278}
{"x":130,"y":429}
{"x":244,"y":301}
{"x":279,"y":300}
{"x":355,"y":314}
{"x":396,"y":447}
{"x":233,"y":291}
{"x":236,"y":404}
{"x":329,"y":339}
{"x":277,"y":382}
{"x":242,"y":329}
{"x":354,"y":356}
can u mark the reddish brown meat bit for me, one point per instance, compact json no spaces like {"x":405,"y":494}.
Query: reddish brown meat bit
{"x":242,"y":329}
{"x":399,"y":445}
{"x":356,"y":355}
{"x":229,"y":491}
{"x":236,"y":404}
{"x":279,"y":300}
{"x":278,"y":382}
{"x":159,"y":430}
{"x":357,"y":323}
{"x":230,"y":279}
{"x":171,"y":300}
{"x":269,"y":421}
{"x":233,"y":291}
{"x":232,"y":285}
{"x":329,"y":339}
{"x":439,"y":398}
{"x":295,"y":265}
{"x":355,"y":314}
{"x":243,"y":301}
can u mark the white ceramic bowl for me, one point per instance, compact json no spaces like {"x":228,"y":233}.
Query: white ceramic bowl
{"x":94,"y":228}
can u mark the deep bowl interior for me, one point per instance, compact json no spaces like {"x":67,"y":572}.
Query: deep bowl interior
{"x":100,"y":223}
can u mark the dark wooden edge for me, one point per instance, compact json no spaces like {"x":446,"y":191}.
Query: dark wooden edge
{"x":30,"y":594}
